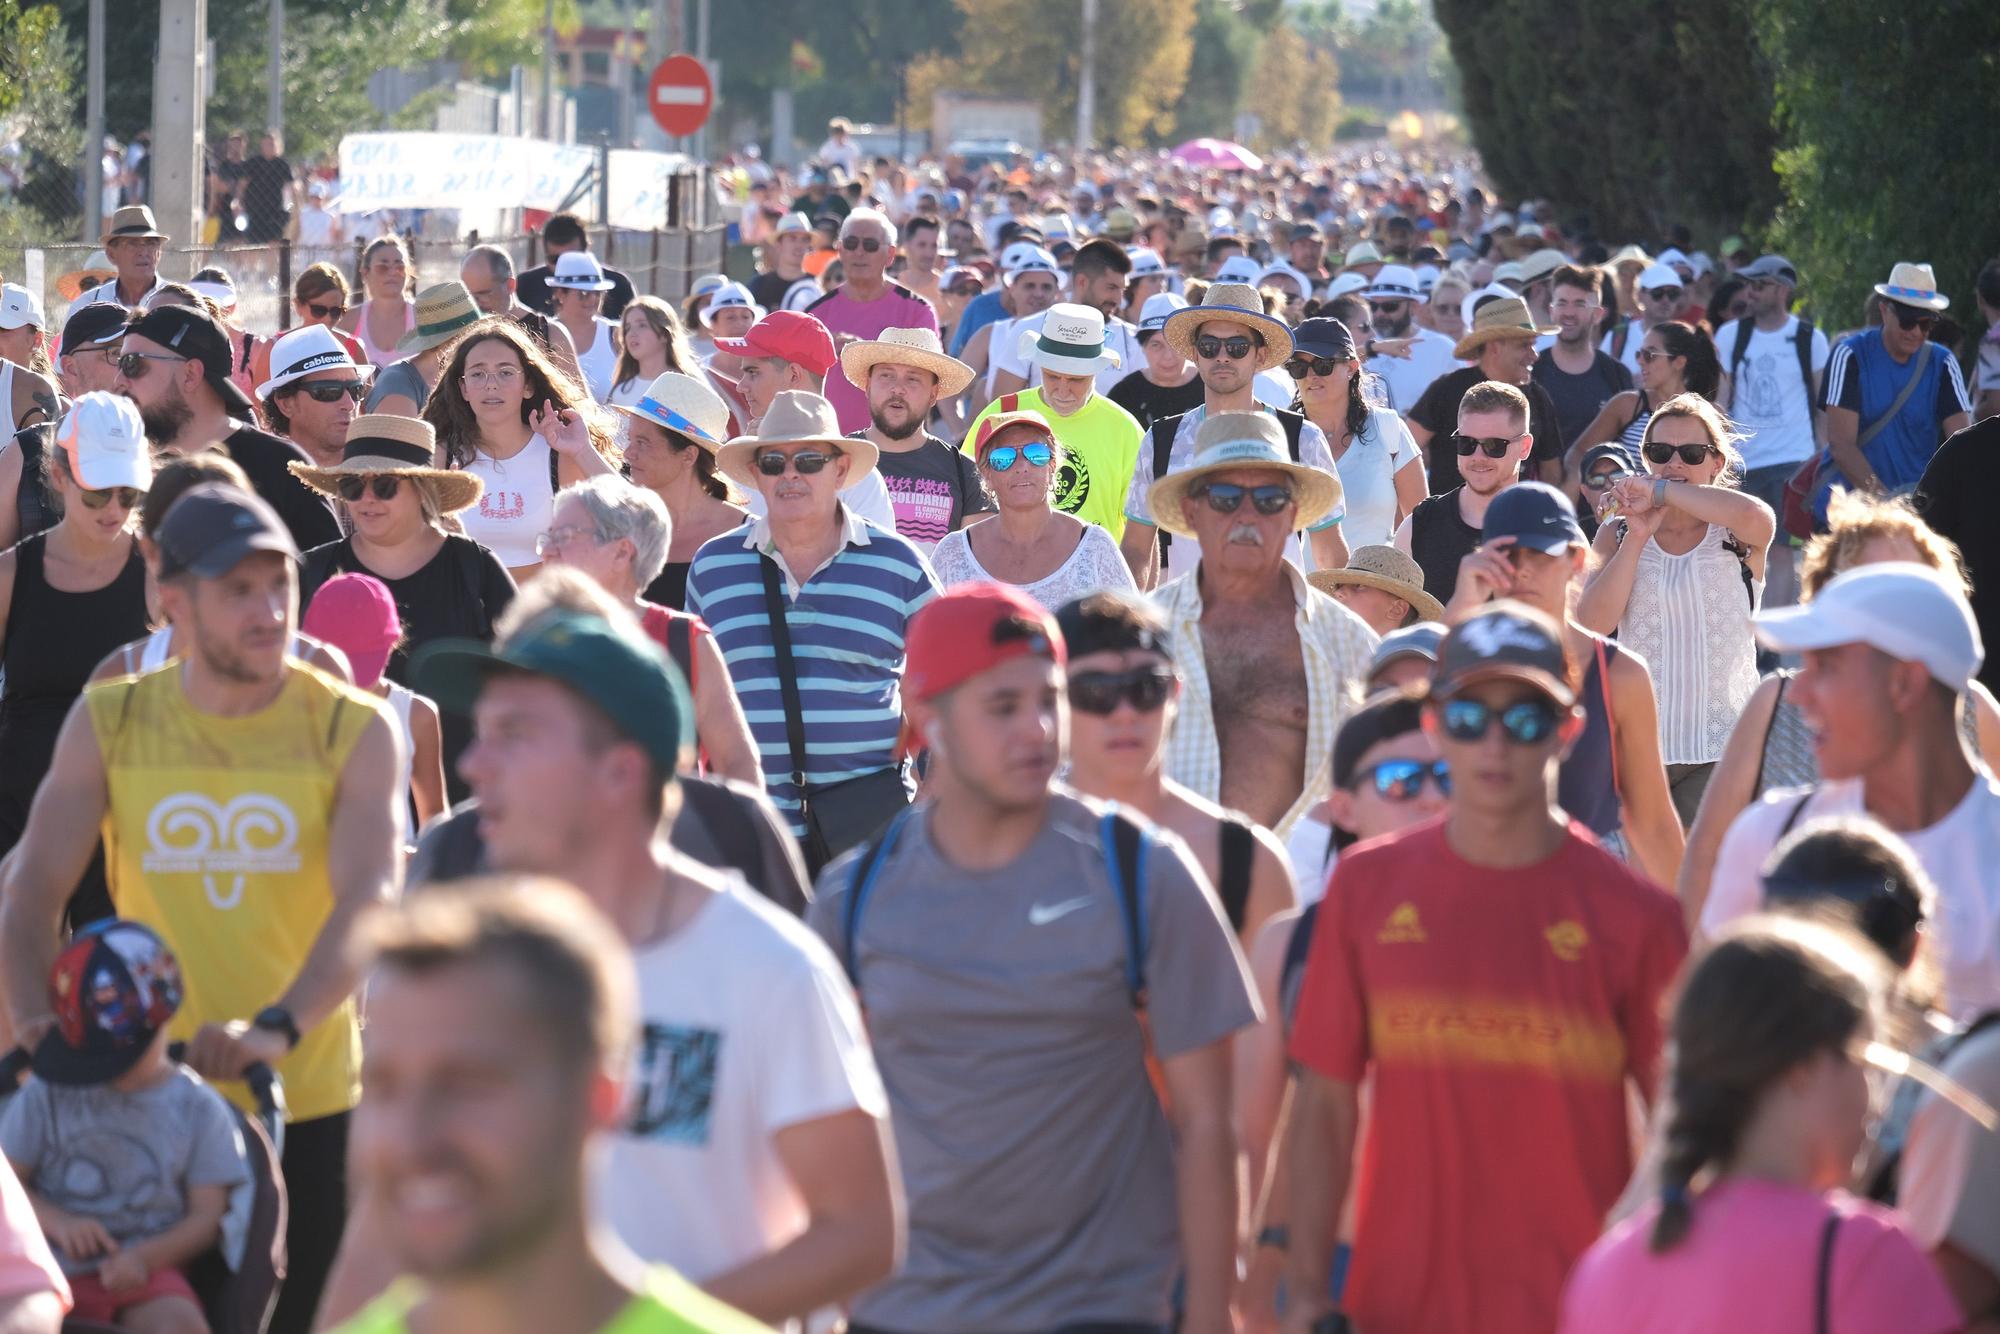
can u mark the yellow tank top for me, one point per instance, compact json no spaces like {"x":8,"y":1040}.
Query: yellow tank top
{"x":216,"y":837}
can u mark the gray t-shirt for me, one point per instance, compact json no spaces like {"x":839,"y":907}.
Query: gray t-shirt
{"x":1035,"y":1153}
{"x":398,"y":377}
{"x":124,"y":1159}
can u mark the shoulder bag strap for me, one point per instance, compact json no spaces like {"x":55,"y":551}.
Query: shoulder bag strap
{"x":1798,"y":809}
{"x":1610,"y":726}
{"x":1917,"y":371}
{"x":788,"y":676}
{"x":1295,"y":425}
{"x":1163,"y":432}
{"x":1823,"y":1282}
{"x":1803,"y":343}
{"x":1236,"y":861}
{"x":867,"y":867}
{"x":1764,"y":747}
{"x":1124,"y":856}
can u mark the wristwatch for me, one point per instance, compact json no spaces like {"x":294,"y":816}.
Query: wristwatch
{"x":1659,"y":492}
{"x":1277,"y":1238}
{"x":277,"y":1019}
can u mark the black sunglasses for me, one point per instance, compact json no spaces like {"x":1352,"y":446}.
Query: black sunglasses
{"x":132,"y":365}
{"x":332,"y":391}
{"x":1913,"y":319}
{"x":320,"y":312}
{"x":1305,"y":364}
{"x":1493,"y":446}
{"x":1690,"y":454}
{"x":1146,"y":688}
{"x":383,"y":484}
{"x":1237,"y":347}
{"x":1663,"y":293}
{"x":1227,"y":497}
{"x":126,"y":496}
{"x":1525,"y":722}
{"x":1403,"y":780}
{"x":1387,"y":307}
{"x":808,"y":461}
{"x":868,"y":243}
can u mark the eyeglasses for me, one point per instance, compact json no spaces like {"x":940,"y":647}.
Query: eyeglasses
{"x":869,"y":243}
{"x":1493,"y":446}
{"x":319,"y":312}
{"x":555,"y":539}
{"x":1227,"y":497}
{"x":1403,"y":780}
{"x":1649,"y":355}
{"x":1301,"y":366}
{"x":808,"y":461}
{"x":1913,"y":319}
{"x":1236,"y":348}
{"x":506,"y":377}
{"x":332,"y":391}
{"x":383,"y":484}
{"x":126,"y":496}
{"x":1690,"y":454}
{"x":1001,"y":458}
{"x":132,"y":365}
{"x":1145,"y":688}
{"x":1526,"y":722}
{"x":1663,"y":293}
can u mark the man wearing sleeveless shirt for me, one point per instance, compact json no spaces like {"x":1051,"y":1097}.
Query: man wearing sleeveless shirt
{"x":1442,"y":531}
{"x":250,"y":814}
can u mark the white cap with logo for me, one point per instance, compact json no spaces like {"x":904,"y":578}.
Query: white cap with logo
{"x":106,"y":442}
{"x":19,"y":307}
{"x":1908,"y":611}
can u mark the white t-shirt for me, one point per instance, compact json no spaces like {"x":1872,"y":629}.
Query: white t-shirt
{"x":1407,"y":378}
{"x":1961,"y":852}
{"x":1309,"y":848}
{"x":868,"y":497}
{"x":749,"y":1026}
{"x":1004,"y":352}
{"x":846,"y":155}
{"x":1368,"y":478}
{"x":1768,"y":400}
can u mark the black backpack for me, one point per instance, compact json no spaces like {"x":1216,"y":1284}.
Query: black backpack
{"x":1801,"y":343}
{"x":1162,"y":438}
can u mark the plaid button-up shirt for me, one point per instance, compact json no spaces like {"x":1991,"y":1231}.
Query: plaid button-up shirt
{"x":1337,"y":646}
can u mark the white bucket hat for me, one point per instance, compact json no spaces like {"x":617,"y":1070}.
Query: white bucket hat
{"x":1395,"y":282}
{"x":1146,"y":263}
{"x":305,"y":351}
{"x":1153,"y":315}
{"x":579,"y":271}
{"x":1238,"y":269}
{"x":1033,"y":260}
{"x":731,"y":296}
{"x":1070,"y":341}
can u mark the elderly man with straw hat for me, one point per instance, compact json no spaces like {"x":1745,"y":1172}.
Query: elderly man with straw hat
{"x":1500,"y":344}
{"x":1270,"y":666}
{"x":1382,"y":586}
{"x":132,"y":245}
{"x":905,"y":373}
{"x":811,"y":605}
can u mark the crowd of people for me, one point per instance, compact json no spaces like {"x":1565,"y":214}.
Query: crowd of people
{"x":1095,"y":746}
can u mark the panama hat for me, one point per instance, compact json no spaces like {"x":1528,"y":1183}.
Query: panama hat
{"x":96,"y":271}
{"x":1228,"y":440}
{"x":1541,"y":264}
{"x":685,"y":405}
{"x":1239,"y":269}
{"x":1395,"y":282}
{"x":306,"y":351}
{"x":136,"y":221}
{"x":380,"y":442}
{"x":1387,"y":569}
{"x":442,"y":311}
{"x":795,"y":417}
{"x":1236,"y":302}
{"x":579,"y":271}
{"x":1504,"y":317}
{"x":1070,"y":341}
{"x":1913,"y":285}
{"x":730,"y":296}
{"x":1366,"y":252}
{"x":906,"y":347}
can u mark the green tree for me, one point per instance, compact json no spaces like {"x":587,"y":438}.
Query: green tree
{"x":37,"y":69}
{"x":1225,"y":42}
{"x":1294,"y":91}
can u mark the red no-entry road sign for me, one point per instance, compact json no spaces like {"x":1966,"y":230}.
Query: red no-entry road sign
{"x":680,"y":95}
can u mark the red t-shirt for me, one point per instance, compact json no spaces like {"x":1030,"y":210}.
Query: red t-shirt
{"x":1501,"y":1012}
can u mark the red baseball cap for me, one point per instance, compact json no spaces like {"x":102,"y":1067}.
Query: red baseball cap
{"x":791,"y":335}
{"x":971,"y":629}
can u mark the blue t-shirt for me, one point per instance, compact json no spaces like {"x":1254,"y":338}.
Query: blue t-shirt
{"x":981,"y":311}
{"x":1862,"y":377}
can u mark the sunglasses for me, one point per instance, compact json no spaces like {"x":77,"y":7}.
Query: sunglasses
{"x":1303,"y":365}
{"x":132,"y":365}
{"x":1146,"y":688}
{"x":319,"y":312}
{"x":1690,"y":454}
{"x":1493,"y":446}
{"x":808,"y":461}
{"x":1387,"y":307}
{"x":1526,"y":722}
{"x":1663,"y":293}
{"x":1227,"y":497}
{"x":332,"y":391}
{"x":1001,"y":458}
{"x":1597,"y":481}
{"x":383,"y":484}
{"x":1236,"y":348}
{"x":127,"y":497}
{"x":868,"y":243}
{"x":1913,"y":319}
{"x":1403,"y":780}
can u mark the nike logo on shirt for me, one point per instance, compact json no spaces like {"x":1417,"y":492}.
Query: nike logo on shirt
{"x":1043,"y":914}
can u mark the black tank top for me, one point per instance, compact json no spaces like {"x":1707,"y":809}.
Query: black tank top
{"x":1439,"y":540}
{"x":1587,"y":785}
{"x":671,"y":588}
{"x":54,"y":641}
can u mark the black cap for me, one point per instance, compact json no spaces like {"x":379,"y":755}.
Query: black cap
{"x":1385,"y":714}
{"x":1324,"y":336}
{"x":213,"y":526}
{"x":1306,"y":231}
{"x":192,"y":334}
{"x":1535,"y":515}
{"x":93,"y":325}
{"x":1597,"y":454}
{"x":1504,"y":641}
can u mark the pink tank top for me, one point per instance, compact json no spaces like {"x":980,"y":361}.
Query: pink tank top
{"x":378,"y":355}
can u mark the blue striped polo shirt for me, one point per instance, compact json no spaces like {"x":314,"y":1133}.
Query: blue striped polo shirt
{"x":847,"y":626}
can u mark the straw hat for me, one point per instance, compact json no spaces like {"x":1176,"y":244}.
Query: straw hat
{"x":1542,"y":263}
{"x":1364,"y":252}
{"x":1228,"y":440}
{"x":1504,"y":317}
{"x":795,"y":417}
{"x":906,"y":347}
{"x":1913,"y":285}
{"x":380,"y":442}
{"x":1387,"y":569}
{"x":96,"y":271}
{"x":1240,"y":304}
{"x":684,"y":405}
{"x":134,"y":220}
{"x":1070,"y":341}
{"x":442,"y":311}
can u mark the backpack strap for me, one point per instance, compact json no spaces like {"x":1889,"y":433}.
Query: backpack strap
{"x":1618,"y":337}
{"x":1295,"y":425}
{"x":1298,"y":948}
{"x":1802,"y":343}
{"x":1740,"y":349}
{"x":1163,"y":432}
{"x":1604,"y":693}
{"x":867,"y":869}
{"x":1798,"y":809}
{"x":1125,"y":842}
{"x":1823,"y":1280}
{"x":465,"y":560}
{"x":1237,"y":857}
{"x":680,"y":645}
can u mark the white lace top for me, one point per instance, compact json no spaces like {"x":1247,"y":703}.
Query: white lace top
{"x":1689,"y":618}
{"x":1093,"y":567}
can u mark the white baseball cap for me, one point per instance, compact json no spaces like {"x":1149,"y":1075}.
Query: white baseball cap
{"x":19,"y":306}
{"x":106,"y":442}
{"x":1657,"y":275}
{"x":1033,"y":260}
{"x":1908,"y":611}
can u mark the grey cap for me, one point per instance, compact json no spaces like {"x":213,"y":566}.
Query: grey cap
{"x":1420,"y":641}
{"x":214,"y":526}
{"x":1770,"y":266}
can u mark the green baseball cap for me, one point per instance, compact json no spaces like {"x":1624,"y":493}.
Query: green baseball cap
{"x":627,"y":676}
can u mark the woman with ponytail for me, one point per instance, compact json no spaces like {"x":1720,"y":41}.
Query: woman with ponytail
{"x":1768,"y":1110}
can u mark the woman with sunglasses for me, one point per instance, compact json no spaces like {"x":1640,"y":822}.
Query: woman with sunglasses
{"x":577,"y":287}
{"x":319,"y":296}
{"x":1381,"y":469}
{"x":386,"y":313}
{"x":445,"y":585}
{"x":1053,"y":557}
{"x":1680,"y":571}
{"x":69,"y":596}
{"x":671,"y":434}
{"x":1674,"y":359}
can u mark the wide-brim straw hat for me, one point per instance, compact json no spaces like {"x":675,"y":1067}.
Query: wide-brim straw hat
{"x":684,"y":405}
{"x":443,"y":312}
{"x":1913,"y":285}
{"x":906,"y":347}
{"x":795,"y":417}
{"x":1387,"y":569}
{"x":1504,"y":317}
{"x":380,"y":442}
{"x":96,"y":271}
{"x":1239,"y":304}
{"x":1227,"y":440}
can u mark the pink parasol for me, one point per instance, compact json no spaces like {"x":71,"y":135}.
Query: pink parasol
{"x":1217,"y":153}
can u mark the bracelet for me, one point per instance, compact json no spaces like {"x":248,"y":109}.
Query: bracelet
{"x":1659,"y":492}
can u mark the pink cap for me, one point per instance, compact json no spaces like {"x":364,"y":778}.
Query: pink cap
{"x":355,"y":614}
